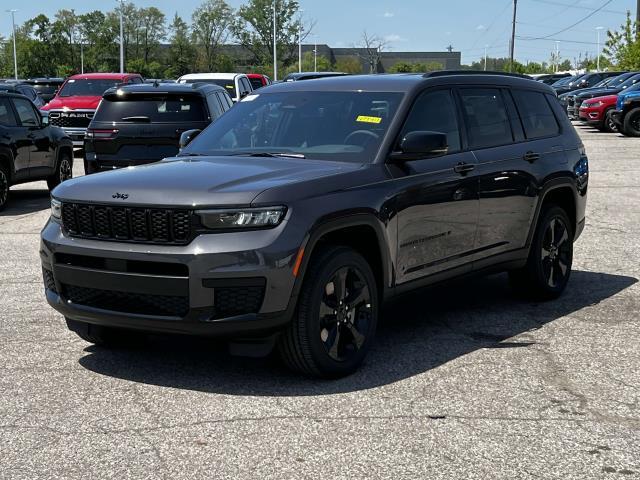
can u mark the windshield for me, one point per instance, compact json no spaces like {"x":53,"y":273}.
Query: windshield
{"x":87,"y":87}
{"x":630,"y":81}
{"x":345,"y":126}
{"x":228,"y":85}
{"x":152,"y":109}
{"x":45,"y":89}
{"x":563,"y":81}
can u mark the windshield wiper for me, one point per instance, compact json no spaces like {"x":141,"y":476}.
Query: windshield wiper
{"x":137,"y":118}
{"x":269,"y":154}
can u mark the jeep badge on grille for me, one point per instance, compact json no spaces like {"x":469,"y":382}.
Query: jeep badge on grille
{"x":123,"y":196}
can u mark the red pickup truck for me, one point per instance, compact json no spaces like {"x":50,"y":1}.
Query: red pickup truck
{"x":77,"y":99}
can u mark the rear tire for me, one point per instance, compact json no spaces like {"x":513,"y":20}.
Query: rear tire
{"x":336,"y":316}
{"x":632,"y":123}
{"x":4,"y":187}
{"x":548,"y":268}
{"x":100,"y":335}
{"x":64,"y":171}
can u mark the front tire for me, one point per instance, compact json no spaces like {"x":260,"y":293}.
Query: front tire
{"x":4,"y":187}
{"x":608,"y":125}
{"x":64,"y":171}
{"x":548,"y":267}
{"x":632,"y":123}
{"x":336,"y":316}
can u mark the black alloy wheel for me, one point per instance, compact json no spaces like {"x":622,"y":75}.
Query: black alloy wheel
{"x":632,"y":123}
{"x":64,"y":171}
{"x":4,"y":187}
{"x":556,"y":253}
{"x":609,"y":124}
{"x":345,"y":314}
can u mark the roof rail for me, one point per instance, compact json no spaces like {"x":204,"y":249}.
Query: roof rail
{"x":446,"y":73}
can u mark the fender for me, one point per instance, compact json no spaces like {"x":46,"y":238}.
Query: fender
{"x":325,"y":226}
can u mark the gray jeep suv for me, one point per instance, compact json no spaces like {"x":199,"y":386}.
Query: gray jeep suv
{"x":290,"y":219}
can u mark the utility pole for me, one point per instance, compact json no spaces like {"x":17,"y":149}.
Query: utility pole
{"x":15,"y":55}
{"x":485,"y":58}
{"x":121,"y":36}
{"x":557,"y":55}
{"x":315,"y":53}
{"x":513,"y":35}
{"x":275,"y":44}
{"x":300,"y":43}
{"x":598,"y":51}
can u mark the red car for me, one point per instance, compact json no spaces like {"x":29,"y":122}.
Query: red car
{"x":77,"y":99}
{"x":258,"y":80}
{"x":597,"y":112}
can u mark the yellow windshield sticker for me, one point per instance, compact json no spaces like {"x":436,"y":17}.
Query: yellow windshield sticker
{"x":367,"y":119}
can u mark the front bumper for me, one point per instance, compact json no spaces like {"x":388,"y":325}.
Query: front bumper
{"x":209,"y":287}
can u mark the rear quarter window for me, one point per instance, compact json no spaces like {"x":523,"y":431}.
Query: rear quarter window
{"x":535,"y":112}
{"x":167,"y":109}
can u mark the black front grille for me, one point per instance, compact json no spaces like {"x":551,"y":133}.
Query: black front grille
{"x":70,"y":119}
{"x":144,"y":225}
{"x":127,"y":302}
{"x":232,"y":301}
{"x":49,"y":282}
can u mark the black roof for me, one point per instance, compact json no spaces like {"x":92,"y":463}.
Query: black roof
{"x":166,"y":88}
{"x":404,"y":82}
{"x":312,"y":75}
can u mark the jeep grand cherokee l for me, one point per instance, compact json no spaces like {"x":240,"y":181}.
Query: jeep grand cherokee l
{"x":308,"y":204}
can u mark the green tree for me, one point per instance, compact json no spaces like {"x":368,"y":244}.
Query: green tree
{"x":64,"y":28}
{"x":254,"y":30}
{"x":153,"y":30}
{"x":623,"y":46}
{"x":182,"y":53}
{"x":349,"y":65}
{"x":405,"y":67}
{"x":100,"y":34}
{"x":211,"y":29}
{"x":309,"y":64}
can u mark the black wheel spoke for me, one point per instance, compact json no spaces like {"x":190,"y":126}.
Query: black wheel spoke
{"x":358,"y":297}
{"x":333,"y":350}
{"x":358,"y":338}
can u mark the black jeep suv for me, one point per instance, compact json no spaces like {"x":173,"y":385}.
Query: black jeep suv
{"x":143,"y":123}
{"x":30,"y":149}
{"x":297,"y":213}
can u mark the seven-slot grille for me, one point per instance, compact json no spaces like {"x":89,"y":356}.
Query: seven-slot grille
{"x":71,"y":119}
{"x":128,"y":224}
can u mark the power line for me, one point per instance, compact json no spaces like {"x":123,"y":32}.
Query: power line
{"x":570,"y":26}
{"x":551,"y":2}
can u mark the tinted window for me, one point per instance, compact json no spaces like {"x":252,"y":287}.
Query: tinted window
{"x":486,"y":117}
{"x":256,"y":83}
{"x":435,"y":111}
{"x":26,"y":113}
{"x":245,"y":87}
{"x":7,"y":118}
{"x":537,"y":118}
{"x":225,"y":101}
{"x":345,"y":126}
{"x":89,"y":88}
{"x":44,"y":89}
{"x":156,"y":109}
{"x":214,"y":105}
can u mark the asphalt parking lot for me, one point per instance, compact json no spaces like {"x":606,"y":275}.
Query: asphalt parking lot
{"x":464,"y":382}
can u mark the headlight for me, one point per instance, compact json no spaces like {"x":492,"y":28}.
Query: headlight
{"x":242,"y":218}
{"x":593,"y":105}
{"x":56,"y":209}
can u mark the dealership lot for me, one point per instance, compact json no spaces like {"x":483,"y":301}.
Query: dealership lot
{"x":465,"y":381}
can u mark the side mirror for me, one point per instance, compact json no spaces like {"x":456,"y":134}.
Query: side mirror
{"x":187,"y":137}
{"x":421,"y":144}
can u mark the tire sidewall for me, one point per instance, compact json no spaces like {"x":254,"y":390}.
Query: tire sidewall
{"x":536,"y":251}
{"x":313,"y":291}
{"x":629,"y":129}
{"x":5,"y":175}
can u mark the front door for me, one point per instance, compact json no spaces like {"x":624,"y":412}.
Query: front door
{"x":16,"y":138}
{"x":436,"y":198}
{"x":41,"y":156}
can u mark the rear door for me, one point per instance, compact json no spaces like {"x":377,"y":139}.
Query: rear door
{"x":144,"y":128}
{"x":15,"y":137}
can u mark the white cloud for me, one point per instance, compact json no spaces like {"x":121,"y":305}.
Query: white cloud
{"x":394,"y":37}
{"x":388,"y":14}
{"x":481,"y":27}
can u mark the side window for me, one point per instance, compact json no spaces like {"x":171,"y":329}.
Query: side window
{"x":215,"y":109}
{"x":135,"y":80}
{"x":486,"y":117}
{"x":26,"y":113}
{"x":536,"y":114}
{"x":7,"y":119}
{"x":224,"y":101}
{"x":435,"y":111}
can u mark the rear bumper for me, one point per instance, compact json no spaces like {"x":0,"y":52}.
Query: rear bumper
{"x":77,"y":136}
{"x":93,"y":165}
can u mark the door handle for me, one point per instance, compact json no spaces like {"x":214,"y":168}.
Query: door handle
{"x":463,"y":168}
{"x":531,"y":156}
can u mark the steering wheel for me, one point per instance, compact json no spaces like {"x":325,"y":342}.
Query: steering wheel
{"x":366,"y":133}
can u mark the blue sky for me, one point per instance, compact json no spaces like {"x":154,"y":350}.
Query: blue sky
{"x":409,"y":25}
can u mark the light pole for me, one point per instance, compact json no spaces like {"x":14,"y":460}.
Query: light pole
{"x":512,"y":45}
{"x":81,"y":54}
{"x":315,"y":53}
{"x":15,"y":55}
{"x":275,"y":44}
{"x":485,"y":57}
{"x":598,"y":51}
{"x":300,"y":43}
{"x":121,"y":36}
{"x":557,"y":55}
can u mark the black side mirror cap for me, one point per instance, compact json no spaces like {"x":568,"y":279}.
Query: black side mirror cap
{"x":187,"y":137}
{"x":421,"y":144}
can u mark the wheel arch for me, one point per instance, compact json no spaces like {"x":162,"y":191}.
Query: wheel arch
{"x":363,"y":233}
{"x":561,"y":192}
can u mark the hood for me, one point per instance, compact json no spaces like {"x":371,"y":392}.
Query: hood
{"x":607,"y":99}
{"x":596,"y":92}
{"x":73,"y":103}
{"x":197,"y":181}
{"x":624,"y":96}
